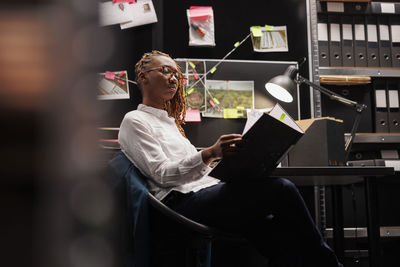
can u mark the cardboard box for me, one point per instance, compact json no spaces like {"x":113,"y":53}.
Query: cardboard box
{"x":322,"y":144}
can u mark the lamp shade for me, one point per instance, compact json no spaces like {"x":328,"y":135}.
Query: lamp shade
{"x":283,"y":86}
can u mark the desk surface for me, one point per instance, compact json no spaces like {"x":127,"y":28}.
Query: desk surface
{"x":332,"y":175}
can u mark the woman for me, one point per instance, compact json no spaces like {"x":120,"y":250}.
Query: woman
{"x":269,"y":212}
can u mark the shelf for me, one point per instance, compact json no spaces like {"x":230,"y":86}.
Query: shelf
{"x":371,"y":72}
{"x":376,"y":138}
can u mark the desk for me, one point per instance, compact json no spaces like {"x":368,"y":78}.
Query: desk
{"x":337,"y":176}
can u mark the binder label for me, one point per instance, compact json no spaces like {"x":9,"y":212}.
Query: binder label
{"x":359,"y":32}
{"x":347,"y":32}
{"x":380,"y":98}
{"x":322,"y":32}
{"x":393,"y":99}
{"x":335,"y":7}
{"x":395,"y":33}
{"x":384,"y":32}
{"x":335,"y":32}
{"x":387,"y":8}
{"x":372,"y":34}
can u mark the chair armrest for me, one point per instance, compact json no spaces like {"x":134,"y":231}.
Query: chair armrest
{"x":205,"y":230}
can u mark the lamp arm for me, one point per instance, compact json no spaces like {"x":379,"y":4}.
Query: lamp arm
{"x":327,"y":92}
{"x":358,"y":107}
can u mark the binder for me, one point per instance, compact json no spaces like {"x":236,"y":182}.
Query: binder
{"x":395,"y":38}
{"x":323,"y":45}
{"x":372,"y":42}
{"x":381,"y":114}
{"x":360,"y":49}
{"x":385,"y":54}
{"x":335,"y":49}
{"x":347,"y":41}
{"x":267,"y":139}
{"x":394,"y":107}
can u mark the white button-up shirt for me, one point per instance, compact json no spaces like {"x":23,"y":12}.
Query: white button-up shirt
{"x":152,"y":141}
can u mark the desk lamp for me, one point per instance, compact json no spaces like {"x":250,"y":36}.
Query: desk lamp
{"x":283,"y":86}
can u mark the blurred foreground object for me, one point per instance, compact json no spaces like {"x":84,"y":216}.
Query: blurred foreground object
{"x":55,"y":209}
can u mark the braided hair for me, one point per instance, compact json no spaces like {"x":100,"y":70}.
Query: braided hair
{"x":175,"y":107}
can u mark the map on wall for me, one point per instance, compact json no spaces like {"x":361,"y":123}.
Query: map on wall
{"x":228,"y":99}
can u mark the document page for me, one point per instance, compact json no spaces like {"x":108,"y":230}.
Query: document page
{"x":279,"y":113}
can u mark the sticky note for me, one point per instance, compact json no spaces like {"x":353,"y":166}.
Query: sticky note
{"x":282,"y":116}
{"x":190,"y":91}
{"x":240,"y":107}
{"x":121,"y":82}
{"x":193,"y":115}
{"x":230,"y":113}
{"x":236,"y":44}
{"x":122,"y":73}
{"x":256,"y":31}
{"x":216,"y":100}
{"x":110,"y":75}
{"x":212,"y":103}
{"x":192,"y":64}
{"x":213,"y":69}
{"x":269,"y":27}
{"x":195,"y":75}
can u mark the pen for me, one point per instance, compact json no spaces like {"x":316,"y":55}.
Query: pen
{"x":198,"y":29}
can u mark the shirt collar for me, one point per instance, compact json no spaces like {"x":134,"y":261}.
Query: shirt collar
{"x":155,"y":111}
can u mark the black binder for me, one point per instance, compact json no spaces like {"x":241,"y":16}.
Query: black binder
{"x":381,"y":107}
{"x":335,"y":49}
{"x":323,"y":46}
{"x":394,"y":107}
{"x":385,"y":54}
{"x":347,"y":41}
{"x":265,"y":144}
{"x":360,"y":48}
{"x":395,"y":38}
{"x":372,"y":42}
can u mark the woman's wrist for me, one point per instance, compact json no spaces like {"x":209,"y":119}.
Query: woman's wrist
{"x":207,"y":155}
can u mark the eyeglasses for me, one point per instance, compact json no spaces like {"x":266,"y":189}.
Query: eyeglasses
{"x":167,"y":71}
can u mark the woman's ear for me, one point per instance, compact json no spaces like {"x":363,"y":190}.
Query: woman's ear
{"x":142,"y":77}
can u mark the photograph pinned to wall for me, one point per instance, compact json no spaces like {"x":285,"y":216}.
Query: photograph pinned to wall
{"x":141,"y":13}
{"x":269,"y":38}
{"x":228,"y":99}
{"x":114,"y":13}
{"x":195,"y":98}
{"x":113,"y":85}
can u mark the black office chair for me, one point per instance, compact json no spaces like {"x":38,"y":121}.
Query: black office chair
{"x":178,"y":240}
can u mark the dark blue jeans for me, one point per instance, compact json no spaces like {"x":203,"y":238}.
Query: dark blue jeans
{"x":269,"y":212}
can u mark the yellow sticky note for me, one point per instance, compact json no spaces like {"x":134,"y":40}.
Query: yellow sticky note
{"x":240,"y":107}
{"x":213,"y":69}
{"x":236,"y":44}
{"x":256,"y":31}
{"x":282,"y":116}
{"x":269,"y":27}
{"x":190,"y":91}
{"x":216,"y":101}
{"x":230,"y":113}
{"x":192,"y":64}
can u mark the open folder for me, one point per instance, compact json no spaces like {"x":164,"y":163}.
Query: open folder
{"x":267,"y":138}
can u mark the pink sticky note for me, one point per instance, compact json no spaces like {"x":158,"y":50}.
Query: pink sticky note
{"x":212,"y":103}
{"x":124,"y":1}
{"x":121,"y":82}
{"x":200,"y":12}
{"x":195,"y":75}
{"x":110,"y":75}
{"x":193,"y":115}
{"x":122,"y":73}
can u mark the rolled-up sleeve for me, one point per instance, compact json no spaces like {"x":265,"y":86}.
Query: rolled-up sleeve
{"x":146,"y":152}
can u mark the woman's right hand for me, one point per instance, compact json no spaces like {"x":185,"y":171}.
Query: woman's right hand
{"x":225,"y":146}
